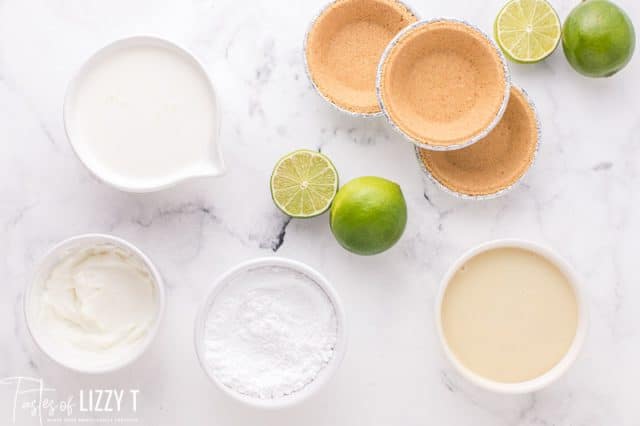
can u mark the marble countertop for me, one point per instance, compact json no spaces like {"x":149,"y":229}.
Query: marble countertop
{"x":581,"y":198}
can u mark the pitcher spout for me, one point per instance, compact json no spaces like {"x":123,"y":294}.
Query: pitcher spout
{"x":214,"y":168}
{"x":215,"y":164}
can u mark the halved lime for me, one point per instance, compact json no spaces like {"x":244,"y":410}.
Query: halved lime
{"x":304,"y":183}
{"x":527,"y":31}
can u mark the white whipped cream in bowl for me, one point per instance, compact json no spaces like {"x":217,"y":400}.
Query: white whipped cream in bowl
{"x":94,"y":304}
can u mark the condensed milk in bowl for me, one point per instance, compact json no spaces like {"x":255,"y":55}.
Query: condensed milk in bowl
{"x":510,"y":316}
{"x":141,"y":114}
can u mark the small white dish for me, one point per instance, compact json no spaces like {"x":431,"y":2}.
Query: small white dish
{"x":567,"y":360}
{"x":53,"y":258}
{"x":212,"y":165}
{"x":325,"y":374}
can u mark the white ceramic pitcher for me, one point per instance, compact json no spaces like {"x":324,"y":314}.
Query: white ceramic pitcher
{"x":211,"y":166}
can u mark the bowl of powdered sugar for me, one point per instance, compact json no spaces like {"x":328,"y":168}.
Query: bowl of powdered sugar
{"x":271,"y":332}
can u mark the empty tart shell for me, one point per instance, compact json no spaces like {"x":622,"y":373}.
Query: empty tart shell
{"x":343,"y":48}
{"x":495,"y":164}
{"x":443,"y":83}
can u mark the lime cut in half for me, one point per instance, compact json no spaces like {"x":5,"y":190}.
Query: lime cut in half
{"x":527,"y":31}
{"x":304,"y":183}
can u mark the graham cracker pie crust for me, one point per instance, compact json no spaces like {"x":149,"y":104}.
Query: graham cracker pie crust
{"x":494,"y":163}
{"x":443,"y":83}
{"x":344,"y":46}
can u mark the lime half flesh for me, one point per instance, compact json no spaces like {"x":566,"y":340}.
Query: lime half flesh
{"x":527,"y":31}
{"x":304,"y":183}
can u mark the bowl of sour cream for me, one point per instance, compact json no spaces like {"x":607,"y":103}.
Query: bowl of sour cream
{"x":94,"y":304}
{"x":141,"y":114}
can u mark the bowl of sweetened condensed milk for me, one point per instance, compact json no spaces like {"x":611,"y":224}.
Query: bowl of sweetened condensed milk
{"x":510,"y":316}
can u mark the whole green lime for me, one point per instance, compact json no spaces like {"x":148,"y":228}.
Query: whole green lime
{"x":598,"y":38}
{"x":368,"y":215}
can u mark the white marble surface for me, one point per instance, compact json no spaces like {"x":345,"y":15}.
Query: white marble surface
{"x":581,"y":198}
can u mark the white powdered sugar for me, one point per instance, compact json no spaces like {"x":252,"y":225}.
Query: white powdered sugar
{"x":270,"y":332}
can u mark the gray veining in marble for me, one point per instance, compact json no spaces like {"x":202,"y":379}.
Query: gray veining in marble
{"x":581,"y":198}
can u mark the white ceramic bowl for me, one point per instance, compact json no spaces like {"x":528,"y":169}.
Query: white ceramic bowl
{"x":217,"y":163}
{"x":42,"y":271}
{"x":324,"y":375}
{"x":566,"y":361}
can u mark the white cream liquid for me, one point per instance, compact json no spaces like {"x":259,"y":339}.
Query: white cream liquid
{"x":143,"y":115}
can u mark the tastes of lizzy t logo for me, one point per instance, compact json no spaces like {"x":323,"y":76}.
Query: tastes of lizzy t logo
{"x":33,"y":399}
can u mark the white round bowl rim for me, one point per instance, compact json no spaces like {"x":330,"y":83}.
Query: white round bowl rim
{"x":93,"y":239}
{"x":325,"y":374}
{"x":572,"y":353}
{"x":122,"y":42}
